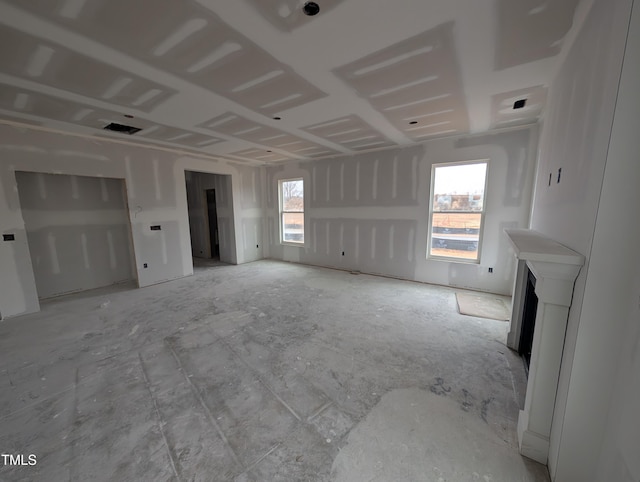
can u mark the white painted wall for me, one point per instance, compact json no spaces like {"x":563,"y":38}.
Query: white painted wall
{"x":78,"y":231}
{"x":615,"y":320}
{"x":375,"y":208}
{"x":587,"y":211}
{"x":156,"y":194}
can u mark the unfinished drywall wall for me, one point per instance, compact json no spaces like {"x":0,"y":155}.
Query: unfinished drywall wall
{"x":156,"y":196}
{"x":17,"y":282}
{"x":374,"y":207}
{"x":78,"y":231}
{"x":197,"y":184}
{"x":569,"y":208}
{"x":251,"y":205}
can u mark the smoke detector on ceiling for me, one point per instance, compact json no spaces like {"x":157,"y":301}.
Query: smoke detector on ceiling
{"x":311,"y":8}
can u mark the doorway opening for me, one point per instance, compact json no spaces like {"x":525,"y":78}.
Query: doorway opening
{"x":209,"y":204}
{"x":212,"y":218}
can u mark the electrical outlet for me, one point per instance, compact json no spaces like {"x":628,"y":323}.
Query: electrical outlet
{"x":490,"y":270}
{"x":257,"y":246}
{"x":144,"y":265}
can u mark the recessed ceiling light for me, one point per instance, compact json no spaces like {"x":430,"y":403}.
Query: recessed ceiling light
{"x":269,"y":151}
{"x":128,"y":116}
{"x":413,"y":122}
{"x":519,"y":104}
{"x":311,"y":8}
{"x":277,"y":118}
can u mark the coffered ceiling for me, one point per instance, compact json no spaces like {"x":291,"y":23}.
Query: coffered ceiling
{"x":259,"y":81}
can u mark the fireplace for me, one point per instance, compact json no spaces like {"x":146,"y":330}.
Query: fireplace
{"x":543,"y":287}
{"x":529,"y":311}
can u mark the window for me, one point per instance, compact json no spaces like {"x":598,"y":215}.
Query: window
{"x":457,"y":210}
{"x":292,"y":211}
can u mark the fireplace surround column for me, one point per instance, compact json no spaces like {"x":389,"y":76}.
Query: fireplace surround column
{"x":555,"y":268}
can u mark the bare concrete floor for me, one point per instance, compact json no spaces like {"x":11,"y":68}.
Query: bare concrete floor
{"x":261,"y":372}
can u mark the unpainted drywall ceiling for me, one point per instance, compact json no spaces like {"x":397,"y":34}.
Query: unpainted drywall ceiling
{"x":48,"y":106}
{"x":260,"y":82}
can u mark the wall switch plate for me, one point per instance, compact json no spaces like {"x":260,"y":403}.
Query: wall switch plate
{"x":157,"y":227}
{"x":490,"y":270}
{"x":8,"y":237}
{"x":144,"y":265}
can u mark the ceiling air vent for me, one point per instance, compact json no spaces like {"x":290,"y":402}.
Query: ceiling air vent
{"x":122,"y":128}
{"x":519,"y":104}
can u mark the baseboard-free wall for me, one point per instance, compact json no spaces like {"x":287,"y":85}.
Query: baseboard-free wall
{"x":156,"y":196}
{"x":614,"y":320}
{"x":78,"y":231}
{"x":587,"y":212}
{"x":374,"y":207}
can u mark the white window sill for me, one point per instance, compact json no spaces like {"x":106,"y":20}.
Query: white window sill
{"x":453,"y":260}
{"x":296,"y":245}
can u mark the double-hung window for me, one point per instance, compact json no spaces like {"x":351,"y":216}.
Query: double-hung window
{"x":456,"y":210}
{"x":292,"y":211}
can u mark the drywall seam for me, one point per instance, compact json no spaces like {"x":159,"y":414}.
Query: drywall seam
{"x":500,"y":130}
{"x":54,"y":215}
{"x":355,"y":213}
{"x":265,"y":245}
{"x":110,"y":140}
{"x":534,"y":153}
{"x":132,"y":249}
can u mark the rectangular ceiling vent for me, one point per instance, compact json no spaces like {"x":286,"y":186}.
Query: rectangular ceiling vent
{"x":122,"y":128}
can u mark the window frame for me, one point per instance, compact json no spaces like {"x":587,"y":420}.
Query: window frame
{"x":281,"y":213}
{"x":453,"y":259}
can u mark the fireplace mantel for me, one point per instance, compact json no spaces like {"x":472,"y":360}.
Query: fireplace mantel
{"x":530,"y":245}
{"x":556,"y":268}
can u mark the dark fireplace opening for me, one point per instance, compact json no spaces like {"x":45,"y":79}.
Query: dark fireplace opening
{"x":528,"y":320}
